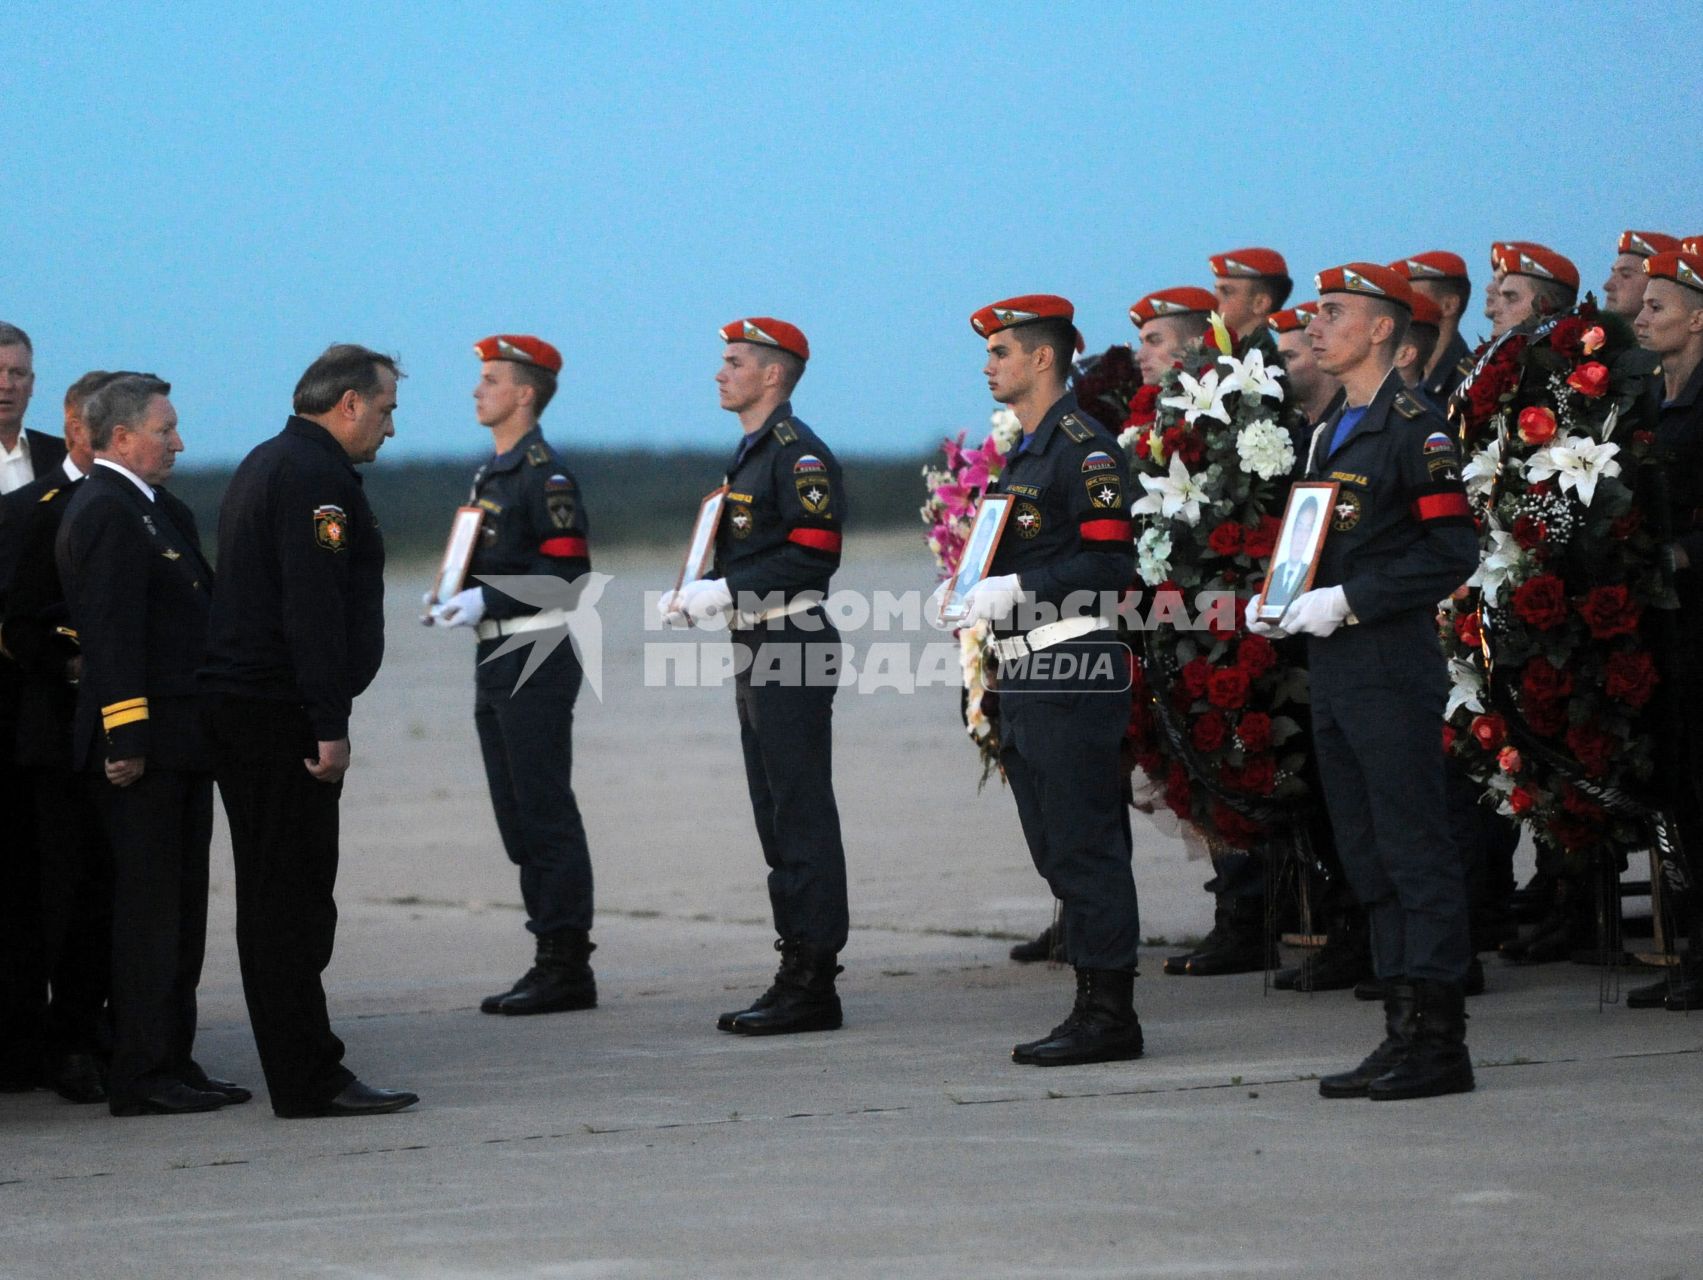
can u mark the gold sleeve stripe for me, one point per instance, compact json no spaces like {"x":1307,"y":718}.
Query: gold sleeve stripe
{"x":123,"y":706}
{"x":119,"y":719}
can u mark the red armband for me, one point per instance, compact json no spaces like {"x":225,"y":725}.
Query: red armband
{"x":816,"y":539}
{"x":1107,"y":530}
{"x":565,"y":548}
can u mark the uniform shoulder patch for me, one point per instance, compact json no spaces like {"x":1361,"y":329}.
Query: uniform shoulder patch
{"x":538,"y":456}
{"x":1438,"y":442}
{"x":50,"y":495}
{"x":785,"y":431}
{"x":558,"y":483}
{"x":809,"y":464}
{"x":1075,"y":428}
{"x":330,"y":527}
{"x":1407,"y":406}
{"x":1099,"y":460}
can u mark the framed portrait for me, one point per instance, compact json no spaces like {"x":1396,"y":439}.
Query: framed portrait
{"x":985,"y":530}
{"x":1295,"y":559}
{"x":458,"y":553}
{"x":700,"y":552}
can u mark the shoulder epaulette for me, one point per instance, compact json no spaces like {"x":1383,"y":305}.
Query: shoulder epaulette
{"x":1407,"y":406}
{"x":538,"y":456}
{"x":785,"y":432}
{"x":50,"y":495}
{"x":1075,"y":428}
{"x":1464,"y":365}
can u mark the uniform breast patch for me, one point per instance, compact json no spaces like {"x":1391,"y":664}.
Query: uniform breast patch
{"x":330,"y":527}
{"x":1027,"y":518}
{"x":739,"y":519}
{"x":1347,"y":511}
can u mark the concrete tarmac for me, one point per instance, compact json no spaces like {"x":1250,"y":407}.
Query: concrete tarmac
{"x":636,"y":1140}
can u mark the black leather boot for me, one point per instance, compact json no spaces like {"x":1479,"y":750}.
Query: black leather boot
{"x":493,"y":1003}
{"x":1179,"y":964}
{"x":725,"y":1021}
{"x":1344,"y":960}
{"x":1049,"y":945}
{"x":802,"y":999}
{"x":1240,"y":945}
{"x":1436,"y":1063}
{"x":561,"y":977}
{"x":1399,"y":1016}
{"x":1102,"y":1026}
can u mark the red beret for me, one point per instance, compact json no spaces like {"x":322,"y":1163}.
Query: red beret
{"x":1367,"y":278}
{"x":1646,"y":243}
{"x":1291,"y":319}
{"x":1681,"y":268}
{"x":1691,"y":244}
{"x":768,"y":332}
{"x":1500,"y":251}
{"x":1434,"y":265}
{"x":1182,"y":301}
{"x":1249,"y":262}
{"x":522,"y":348}
{"x":1025,"y":309}
{"x":1540,"y":263}
{"x":1426,"y":311}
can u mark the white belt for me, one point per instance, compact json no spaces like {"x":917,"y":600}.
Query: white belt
{"x":746,"y":621}
{"x":1045,"y":637}
{"x":494,"y":627}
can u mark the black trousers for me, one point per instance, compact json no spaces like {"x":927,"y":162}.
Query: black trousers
{"x":23,"y":977}
{"x":526,"y":737}
{"x":159,"y":828}
{"x":785,"y":702}
{"x":76,"y":909}
{"x":1377,"y":695}
{"x":1059,"y":747}
{"x":284,"y":843}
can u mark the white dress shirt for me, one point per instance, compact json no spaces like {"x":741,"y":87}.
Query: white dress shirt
{"x":16,"y":469}
{"x":146,"y":488}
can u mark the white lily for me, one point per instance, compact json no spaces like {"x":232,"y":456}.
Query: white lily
{"x":1466,"y":687}
{"x":1153,"y":555}
{"x":1577,"y":463}
{"x":1250,"y":376}
{"x":1497,"y":565}
{"x":1479,"y":474}
{"x":1200,"y":397}
{"x":1172,"y":495}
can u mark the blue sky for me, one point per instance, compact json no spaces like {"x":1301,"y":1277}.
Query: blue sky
{"x":215,"y":192}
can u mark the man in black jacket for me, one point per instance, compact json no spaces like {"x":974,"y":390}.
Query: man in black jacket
{"x":139,"y":591}
{"x":297,"y":633}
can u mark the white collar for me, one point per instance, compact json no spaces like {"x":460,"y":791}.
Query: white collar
{"x":70,"y":469}
{"x":146,"y":488}
{"x":19,"y":450}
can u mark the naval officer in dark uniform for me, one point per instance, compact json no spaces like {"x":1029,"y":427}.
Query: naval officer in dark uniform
{"x":776,"y":550}
{"x":139,"y":591}
{"x":1065,"y":555}
{"x":1401,"y":539}
{"x":534,"y":526}
{"x":297,"y":633}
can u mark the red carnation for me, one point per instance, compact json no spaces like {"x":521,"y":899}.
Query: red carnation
{"x":1542,"y":681}
{"x":1568,"y":337}
{"x":1489,"y":731}
{"x":1589,"y":379}
{"x":1541,"y":602}
{"x":1177,"y":793}
{"x":1631,"y":678}
{"x":1448,"y":738}
{"x":1610,"y":612}
{"x":1261,"y":539}
{"x":1592,"y":748}
{"x":1467,"y":629}
{"x":1258,"y":776}
{"x":1209,"y":732}
{"x":1521,"y":801}
{"x":1144,"y":445}
{"x":1546,"y":718}
{"x":1228,"y":688}
{"x":1256,"y":655}
{"x":1254,"y":730}
{"x":1537,"y":425}
{"x":1226,"y":539}
{"x":1143,"y":406}
{"x":1194,"y":676}
{"x":1530,"y":532}
{"x":1232,"y":827}
{"x":1185,"y":443}
{"x":1574,"y":802}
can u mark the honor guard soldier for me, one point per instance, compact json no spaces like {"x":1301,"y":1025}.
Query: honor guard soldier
{"x":1401,"y":539}
{"x":139,"y":591}
{"x":1670,"y":325}
{"x":1063,"y":677}
{"x":1536,"y":283}
{"x":1250,"y":284}
{"x":776,"y":549}
{"x":1441,"y":278}
{"x":1416,"y":348}
{"x":297,"y":635}
{"x":1623,"y":291}
{"x":1166,"y":321}
{"x":534,"y":525}
{"x":1315,"y":391}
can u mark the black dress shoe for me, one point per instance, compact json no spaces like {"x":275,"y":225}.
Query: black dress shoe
{"x":77,"y":1077}
{"x":171,"y":1099}
{"x":356,"y":1099}
{"x":230,"y":1091}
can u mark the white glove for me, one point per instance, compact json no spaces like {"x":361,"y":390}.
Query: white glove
{"x":1260,"y":626}
{"x":992,"y":598}
{"x":705,"y":600}
{"x":1316,"y":613}
{"x":669,"y":610}
{"x":463,"y":609}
